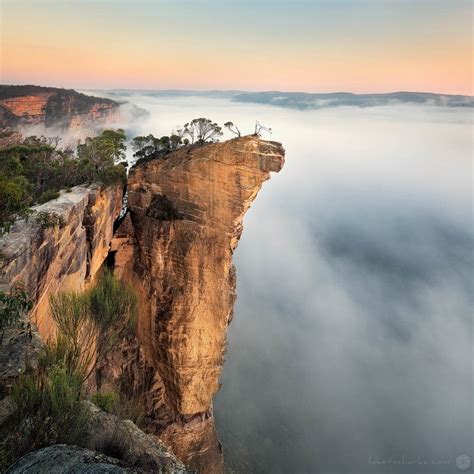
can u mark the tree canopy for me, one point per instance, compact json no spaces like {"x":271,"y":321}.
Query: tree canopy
{"x":34,"y":170}
{"x":201,"y":130}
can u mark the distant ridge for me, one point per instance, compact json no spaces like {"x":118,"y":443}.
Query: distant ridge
{"x":303,"y":100}
{"x":308,"y":100}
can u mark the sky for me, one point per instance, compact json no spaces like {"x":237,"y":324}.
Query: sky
{"x":313,"y":46}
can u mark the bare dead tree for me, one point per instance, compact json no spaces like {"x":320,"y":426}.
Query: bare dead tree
{"x":259,"y":128}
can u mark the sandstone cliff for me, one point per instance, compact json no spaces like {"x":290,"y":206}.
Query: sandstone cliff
{"x":65,"y":257}
{"x":175,"y":247}
{"x":59,"y":109}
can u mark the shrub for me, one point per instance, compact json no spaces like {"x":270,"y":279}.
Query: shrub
{"x":111,"y":300}
{"x":130,"y":408}
{"x":35,"y":169}
{"x":112,"y":175}
{"x":77,"y":332}
{"x":48,"y":195}
{"x":48,"y":220}
{"x":15,"y":200}
{"x":48,"y":411}
{"x":105,"y":400}
{"x":13,"y":305}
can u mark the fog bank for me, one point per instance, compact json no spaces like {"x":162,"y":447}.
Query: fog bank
{"x":351,"y":346}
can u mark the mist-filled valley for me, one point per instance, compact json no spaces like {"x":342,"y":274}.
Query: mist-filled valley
{"x":350,"y":348}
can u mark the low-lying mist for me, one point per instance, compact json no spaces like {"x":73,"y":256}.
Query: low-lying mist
{"x":351,"y":346}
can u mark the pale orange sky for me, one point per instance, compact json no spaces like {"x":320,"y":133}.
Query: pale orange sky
{"x":315,"y":46}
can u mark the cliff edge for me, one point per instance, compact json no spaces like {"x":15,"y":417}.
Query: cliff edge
{"x":175,"y":247}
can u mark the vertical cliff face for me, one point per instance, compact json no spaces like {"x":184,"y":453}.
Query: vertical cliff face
{"x":175,"y":247}
{"x":65,"y":257}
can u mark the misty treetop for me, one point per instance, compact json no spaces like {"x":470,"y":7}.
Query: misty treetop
{"x":34,"y":170}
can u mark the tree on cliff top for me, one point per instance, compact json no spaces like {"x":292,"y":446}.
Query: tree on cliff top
{"x":151,"y":147}
{"x":35,"y":169}
{"x":201,"y":130}
{"x":233,"y":128}
{"x":106,"y":149}
{"x":100,"y":157}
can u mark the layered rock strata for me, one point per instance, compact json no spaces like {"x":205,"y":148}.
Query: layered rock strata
{"x":63,"y":257}
{"x":48,"y":110}
{"x":175,"y":247}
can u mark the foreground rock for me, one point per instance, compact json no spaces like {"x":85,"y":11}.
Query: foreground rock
{"x":175,"y":248}
{"x":136,"y":448}
{"x":60,"y":458}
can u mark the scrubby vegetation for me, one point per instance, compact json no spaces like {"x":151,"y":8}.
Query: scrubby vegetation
{"x":105,"y":400}
{"x":14,"y":304}
{"x":74,"y":345}
{"x":48,"y":220}
{"x":35,"y":170}
{"x":48,"y":411}
{"x":197,"y":132}
{"x":49,"y":396}
{"x":111,"y":300}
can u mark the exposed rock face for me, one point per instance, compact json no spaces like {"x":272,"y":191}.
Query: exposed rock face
{"x":61,"y":458}
{"x":138,"y":449}
{"x":64,"y":110}
{"x":175,"y":247}
{"x":64,"y":257}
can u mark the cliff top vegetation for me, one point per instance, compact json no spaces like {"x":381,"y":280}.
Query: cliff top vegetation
{"x":36,"y":169}
{"x":198,"y":131}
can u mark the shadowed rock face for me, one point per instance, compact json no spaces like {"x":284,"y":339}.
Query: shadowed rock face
{"x":175,"y":247}
{"x":65,"y":257}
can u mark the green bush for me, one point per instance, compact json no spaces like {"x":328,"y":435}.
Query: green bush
{"x":48,"y":411}
{"x":48,"y":220}
{"x":112,"y":300}
{"x":112,"y":175}
{"x":105,"y":400}
{"x":74,"y":345}
{"x":13,"y":305}
{"x":34,"y":170}
{"x":48,"y":195}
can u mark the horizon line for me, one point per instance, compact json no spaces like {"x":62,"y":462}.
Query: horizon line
{"x":245,"y":90}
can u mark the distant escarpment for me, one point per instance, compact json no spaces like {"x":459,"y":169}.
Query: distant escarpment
{"x":175,"y":248}
{"x":60,"y":109}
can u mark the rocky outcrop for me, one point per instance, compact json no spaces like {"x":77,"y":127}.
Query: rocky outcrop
{"x":61,"y":110}
{"x":136,"y":447}
{"x":175,"y":247}
{"x":19,"y":347}
{"x":63,"y":257}
{"x":62,"y":458}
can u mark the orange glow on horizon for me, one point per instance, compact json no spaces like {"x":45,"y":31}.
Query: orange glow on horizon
{"x":82,"y":54}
